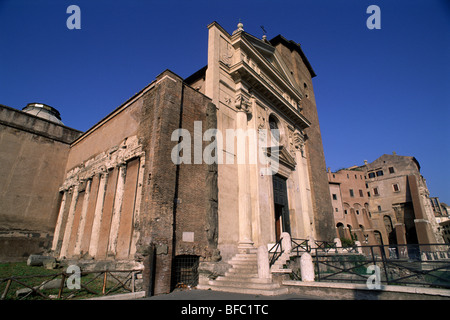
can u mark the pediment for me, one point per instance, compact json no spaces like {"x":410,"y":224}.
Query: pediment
{"x":271,"y":55}
{"x":284,"y":156}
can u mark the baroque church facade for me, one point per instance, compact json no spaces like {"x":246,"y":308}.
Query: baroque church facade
{"x":122,"y":193}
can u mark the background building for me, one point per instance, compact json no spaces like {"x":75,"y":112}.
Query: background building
{"x":396,"y":207}
{"x":34,"y":146}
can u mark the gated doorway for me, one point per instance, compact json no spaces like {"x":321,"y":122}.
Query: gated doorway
{"x":282,"y":222}
{"x":185,"y":271}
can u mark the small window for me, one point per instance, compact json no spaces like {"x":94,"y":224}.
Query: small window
{"x":345,"y":211}
{"x":368,"y":194}
{"x":337,"y":210}
{"x":361,"y":194}
{"x":396,"y":187}
{"x":367,"y":186}
{"x":351,"y":193}
{"x":379,"y":173}
{"x":379,"y":208}
{"x":371,"y":174}
{"x":375,"y":192}
{"x":391,"y":170}
{"x":334,"y":196}
{"x":357,"y":211}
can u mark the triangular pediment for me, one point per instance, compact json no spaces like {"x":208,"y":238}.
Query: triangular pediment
{"x":284,"y":157}
{"x":271,"y":55}
{"x":287,"y":159}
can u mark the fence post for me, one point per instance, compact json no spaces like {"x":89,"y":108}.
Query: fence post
{"x":8,"y":284}
{"x":317,"y":264}
{"x":384,"y":259}
{"x":104,"y":282}
{"x":61,"y":287}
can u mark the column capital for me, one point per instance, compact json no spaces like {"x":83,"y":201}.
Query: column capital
{"x":242,"y":104}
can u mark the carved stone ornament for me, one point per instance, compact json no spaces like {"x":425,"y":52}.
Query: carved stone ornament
{"x":243,"y":104}
{"x":299,"y":141}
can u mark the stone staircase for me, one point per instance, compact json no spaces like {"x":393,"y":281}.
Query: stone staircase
{"x":280,"y":263}
{"x":242,"y":277}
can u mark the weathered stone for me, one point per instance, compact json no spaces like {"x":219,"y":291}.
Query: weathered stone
{"x":286,"y":242}
{"x":38,"y":260}
{"x":306,"y":267}
{"x":263,"y":263}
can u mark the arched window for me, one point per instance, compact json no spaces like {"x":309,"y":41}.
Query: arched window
{"x":274,"y":129}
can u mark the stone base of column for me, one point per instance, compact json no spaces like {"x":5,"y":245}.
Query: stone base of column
{"x":246,"y":247}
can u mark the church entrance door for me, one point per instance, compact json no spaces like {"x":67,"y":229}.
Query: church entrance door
{"x":282,"y":223}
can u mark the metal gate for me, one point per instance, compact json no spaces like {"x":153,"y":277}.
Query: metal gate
{"x":185,"y":271}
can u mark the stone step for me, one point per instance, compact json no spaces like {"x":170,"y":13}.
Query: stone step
{"x":241,"y":278}
{"x":244,"y":284}
{"x":248,"y":274}
{"x":243,"y":275}
{"x":281,"y":270}
{"x":244,"y":267}
{"x":262,"y":292}
{"x":244,"y":256}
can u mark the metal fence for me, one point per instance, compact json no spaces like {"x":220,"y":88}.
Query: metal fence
{"x":91,"y":284}
{"x":417,"y":264}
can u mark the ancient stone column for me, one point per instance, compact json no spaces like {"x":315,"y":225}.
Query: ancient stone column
{"x":245,"y":208}
{"x":115,"y":220}
{"x":303,"y":178}
{"x":59,"y":222}
{"x":95,"y":234}
{"x":82,"y":224}
{"x":69,"y":224}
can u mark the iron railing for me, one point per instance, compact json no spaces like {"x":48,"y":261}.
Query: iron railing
{"x":418,"y":264}
{"x":91,"y":284}
{"x":275,"y":252}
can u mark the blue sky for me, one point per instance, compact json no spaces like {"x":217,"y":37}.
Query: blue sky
{"x":377,"y":91}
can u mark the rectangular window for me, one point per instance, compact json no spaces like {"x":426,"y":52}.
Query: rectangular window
{"x":351,"y":193}
{"x":361,"y":194}
{"x":391,"y":170}
{"x":396,"y":187}
{"x":336,"y":209}
{"x":334,"y":196}
{"x":371,"y":174}
{"x":379,"y":173}
{"x":379,"y":208}
{"x":375,"y":192}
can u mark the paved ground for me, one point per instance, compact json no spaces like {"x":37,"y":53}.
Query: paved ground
{"x":195,"y":294}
